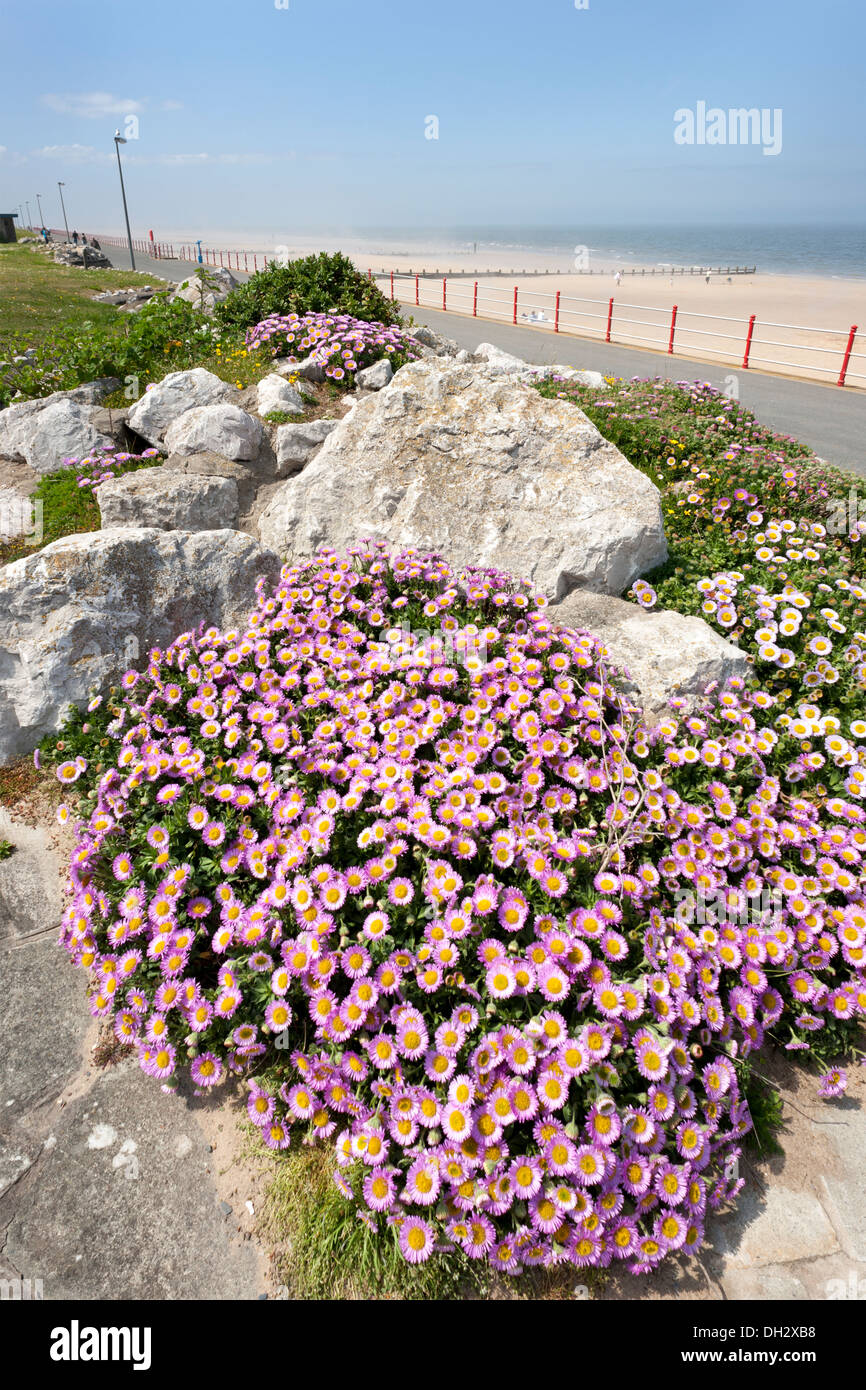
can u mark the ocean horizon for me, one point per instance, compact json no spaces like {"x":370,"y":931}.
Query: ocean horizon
{"x":832,"y":250}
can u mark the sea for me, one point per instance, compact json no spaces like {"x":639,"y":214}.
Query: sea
{"x":832,"y":250}
{"x":825,"y":250}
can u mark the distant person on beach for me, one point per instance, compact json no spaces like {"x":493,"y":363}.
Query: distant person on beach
{"x":84,"y":241}
{"x":74,"y":238}
{"x":708,"y":277}
{"x":617,"y":277}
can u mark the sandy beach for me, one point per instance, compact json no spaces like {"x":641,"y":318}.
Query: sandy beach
{"x":801,"y":325}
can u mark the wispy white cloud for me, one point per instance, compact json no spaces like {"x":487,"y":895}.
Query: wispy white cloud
{"x":92,"y":105}
{"x":73,"y":154}
{"x":171,"y":105}
{"x":184,"y":160}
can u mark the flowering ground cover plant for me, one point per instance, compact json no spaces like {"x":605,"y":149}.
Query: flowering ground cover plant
{"x":766,"y":544}
{"x":434,"y":911}
{"x":340,"y":343}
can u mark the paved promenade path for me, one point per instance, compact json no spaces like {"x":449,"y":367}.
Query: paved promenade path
{"x":831,"y":419}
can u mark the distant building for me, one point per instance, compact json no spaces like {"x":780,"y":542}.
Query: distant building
{"x":7,"y":226}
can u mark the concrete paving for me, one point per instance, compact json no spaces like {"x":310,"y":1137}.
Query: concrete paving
{"x":108,"y":1188}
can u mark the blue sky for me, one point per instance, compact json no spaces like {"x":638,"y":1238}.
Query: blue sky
{"x":313,"y":117}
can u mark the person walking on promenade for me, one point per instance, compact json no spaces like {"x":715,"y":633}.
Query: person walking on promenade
{"x":74,"y":238}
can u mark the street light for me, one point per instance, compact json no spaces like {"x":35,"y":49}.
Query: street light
{"x":118,"y":141}
{"x":29,"y":218}
{"x":61,"y":186}
{"x":41,"y":218}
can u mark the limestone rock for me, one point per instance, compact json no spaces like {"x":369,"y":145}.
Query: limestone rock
{"x":441,"y":346}
{"x":664,"y":653}
{"x":75,"y":615}
{"x":169,"y":501}
{"x":485,"y":471}
{"x":174,"y":396}
{"x":218,"y":285}
{"x":297,"y":443}
{"x":221,"y":428}
{"x":374,"y":377}
{"x":275,"y":393}
{"x":63,"y":430}
{"x":18,"y":421}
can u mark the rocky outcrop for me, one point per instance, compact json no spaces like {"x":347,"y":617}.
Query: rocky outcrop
{"x":296,"y":444}
{"x":275,"y":393}
{"x":664,"y":653}
{"x":221,"y":428}
{"x":375,"y":377}
{"x":169,"y":501}
{"x":501,"y":363}
{"x":483,"y":470}
{"x":19,"y":421}
{"x":75,"y":615}
{"x":63,"y":431}
{"x":174,"y":396}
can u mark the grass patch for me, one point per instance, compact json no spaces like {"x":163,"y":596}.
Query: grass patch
{"x":66,"y":508}
{"x":323,"y":1250}
{"x":37,"y":296}
{"x":284,"y":417}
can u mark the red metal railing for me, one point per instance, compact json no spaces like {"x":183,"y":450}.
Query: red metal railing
{"x":665,"y":330}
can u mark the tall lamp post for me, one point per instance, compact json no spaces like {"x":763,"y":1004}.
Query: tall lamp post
{"x":29,"y":218}
{"x":63,"y":205}
{"x":39,"y":205}
{"x":118,"y":141}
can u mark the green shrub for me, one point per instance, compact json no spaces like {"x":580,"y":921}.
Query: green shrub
{"x":324,"y":284}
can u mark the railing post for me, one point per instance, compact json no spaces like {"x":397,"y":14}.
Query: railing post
{"x":673,"y":327}
{"x":417,"y":299}
{"x":392,"y":284}
{"x":221,"y":257}
{"x":556,"y":318}
{"x":444,"y":292}
{"x":841,"y":381}
{"x":514,"y":318}
{"x":609,"y":319}
{"x":749,"y":341}
{"x":370,"y":274}
{"x":475,"y":301}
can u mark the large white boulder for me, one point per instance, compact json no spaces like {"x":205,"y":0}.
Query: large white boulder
{"x":19,"y":420}
{"x":664,"y":653}
{"x":275,"y":393}
{"x":77,"y":614}
{"x":219,"y":429}
{"x":502,"y":363}
{"x":174,"y":396}
{"x":482,"y":469}
{"x":170,"y":501}
{"x":61,"y":431}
